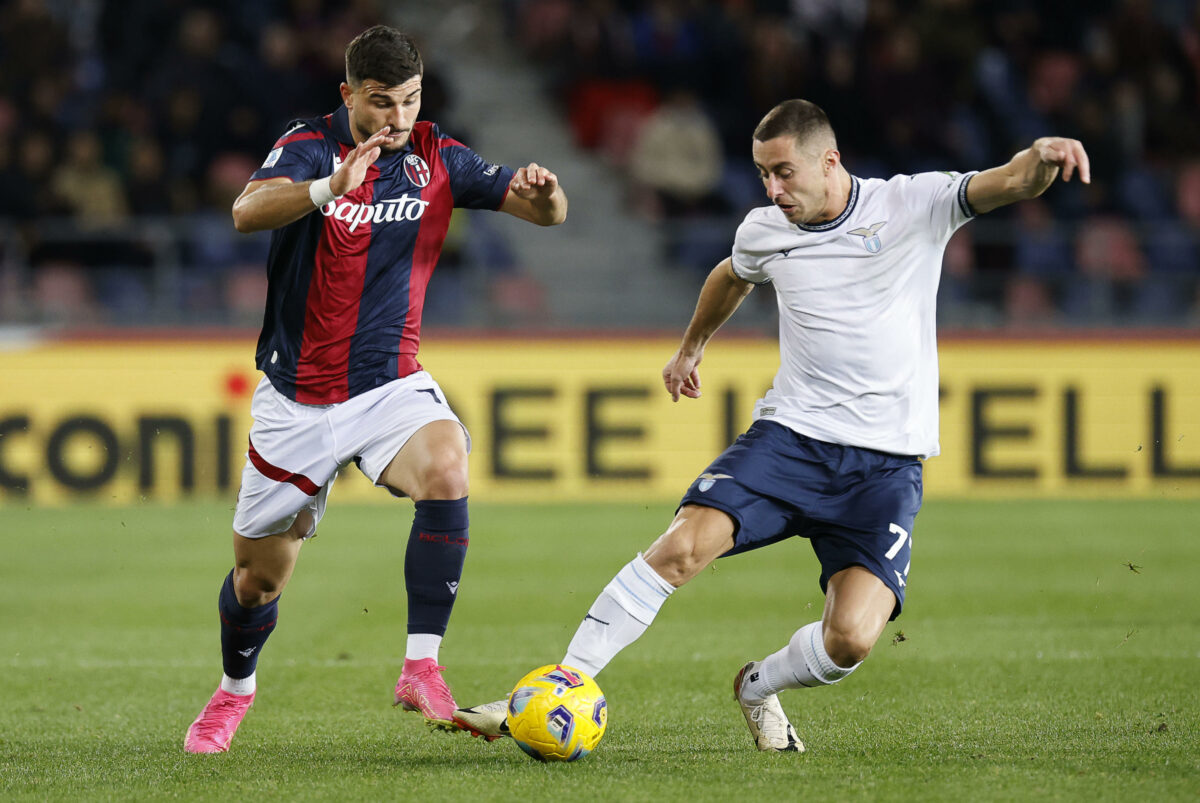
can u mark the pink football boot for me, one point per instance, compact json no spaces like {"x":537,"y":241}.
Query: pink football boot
{"x":213,"y":730}
{"x":421,"y":688}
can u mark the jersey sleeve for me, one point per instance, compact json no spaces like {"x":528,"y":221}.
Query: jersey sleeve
{"x":944,"y":194}
{"x":297,"y":155}
{"x":474,"y":183}
{"x":750,"y":249}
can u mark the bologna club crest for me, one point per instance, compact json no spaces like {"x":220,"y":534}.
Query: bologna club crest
{"x":416,"y":170}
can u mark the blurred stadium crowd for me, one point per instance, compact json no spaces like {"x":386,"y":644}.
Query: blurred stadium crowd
{"x":669,"y":90}
{"x":127,"y":128}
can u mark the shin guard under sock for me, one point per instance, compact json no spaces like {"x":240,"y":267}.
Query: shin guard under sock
{"x":622,"y":612}
{"x":433,"y":563}
{"x":244,"y":631}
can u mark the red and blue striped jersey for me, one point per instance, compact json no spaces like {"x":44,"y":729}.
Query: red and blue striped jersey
{"x":346,"y":283}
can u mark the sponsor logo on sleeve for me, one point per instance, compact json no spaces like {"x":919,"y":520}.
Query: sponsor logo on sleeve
{"x":272,"y":158}
{"x":708,"y":480}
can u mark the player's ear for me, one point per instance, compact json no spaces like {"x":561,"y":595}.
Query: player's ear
{"x":347,"y":93}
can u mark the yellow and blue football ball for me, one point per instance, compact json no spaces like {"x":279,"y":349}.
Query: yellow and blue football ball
{"x":557,"y":713}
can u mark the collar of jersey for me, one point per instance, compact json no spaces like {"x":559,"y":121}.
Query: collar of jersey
{"x":339,"y":124}
{"x":840,"y":219}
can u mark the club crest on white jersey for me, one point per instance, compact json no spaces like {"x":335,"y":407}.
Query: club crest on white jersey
{"x":870,"y":236}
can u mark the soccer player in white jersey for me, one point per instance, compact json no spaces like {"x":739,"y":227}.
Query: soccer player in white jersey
{"x":834,"y":453}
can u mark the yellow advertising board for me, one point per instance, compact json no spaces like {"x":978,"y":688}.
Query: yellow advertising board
{"x":587,"y":419}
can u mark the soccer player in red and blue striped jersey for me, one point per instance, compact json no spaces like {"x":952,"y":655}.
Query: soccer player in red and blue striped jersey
{"x":359,"y":202}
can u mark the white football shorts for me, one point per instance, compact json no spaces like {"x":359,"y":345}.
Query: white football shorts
{"x":296,"y":450}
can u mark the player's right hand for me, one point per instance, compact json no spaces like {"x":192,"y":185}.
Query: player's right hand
{"x":1066,"y":154}
{"x":682,"y":376}
{"x":353,"y":171}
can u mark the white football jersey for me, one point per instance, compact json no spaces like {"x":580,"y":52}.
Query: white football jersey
{"x":857,"y":311}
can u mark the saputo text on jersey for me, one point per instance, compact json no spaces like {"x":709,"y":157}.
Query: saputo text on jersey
{"x":402,"y":208}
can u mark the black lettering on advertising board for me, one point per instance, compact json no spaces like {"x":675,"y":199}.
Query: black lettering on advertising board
{"x":598,"y":434}
{"x":17,"y":484}
{"x":150,"y":429}
{"x":71,"y":430}
{"x":1160,"y":465}
{"x":224,"y":452}
{"x":1073,"y":462}
{"x":505,"y":434}
{"x":984,"y":432}
{"x":731,"y":418}
{"x":169,"y":451}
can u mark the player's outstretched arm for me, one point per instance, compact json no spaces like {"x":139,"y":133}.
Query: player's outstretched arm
{"x":1029,"y":173}
{"x":534,"y":194}
{"x":276,"y":202}
{"x":722,"y":293}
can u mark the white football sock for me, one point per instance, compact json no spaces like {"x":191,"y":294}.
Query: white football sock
{"x":802,"y":663}
{"x":622,"y":612}
{"x":422,"y":645}
{"x":239,"y":686}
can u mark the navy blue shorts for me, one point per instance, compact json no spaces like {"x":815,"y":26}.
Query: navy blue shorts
{"x":856,"y":506}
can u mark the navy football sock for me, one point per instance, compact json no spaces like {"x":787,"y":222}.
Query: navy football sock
{"x":433,"y":563}
{"x":244,"y":631}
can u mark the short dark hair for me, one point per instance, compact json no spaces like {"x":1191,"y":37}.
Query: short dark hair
{"x":801,"y":119}
{"x":383,"y":54}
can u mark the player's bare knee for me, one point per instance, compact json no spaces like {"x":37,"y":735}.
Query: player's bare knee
{"x":694,"y":539}
{"x":255,"y":588}
{"x":676,"y":572}
{"x":674,"y":558}
{"x":847,"y":648}
{"x":445,"y":478}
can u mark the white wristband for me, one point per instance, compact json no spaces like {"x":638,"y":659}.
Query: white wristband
{"x":320,"y":192}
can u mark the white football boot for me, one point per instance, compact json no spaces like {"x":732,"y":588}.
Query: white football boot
{"x":489,"y":720}
{"x":768,"y":724}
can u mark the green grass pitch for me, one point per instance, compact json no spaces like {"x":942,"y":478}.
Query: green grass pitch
{"x":1049,"y":650}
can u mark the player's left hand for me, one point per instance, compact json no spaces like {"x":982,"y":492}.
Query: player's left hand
{"x":533,"y":182}
{"x":1067,"y":154}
